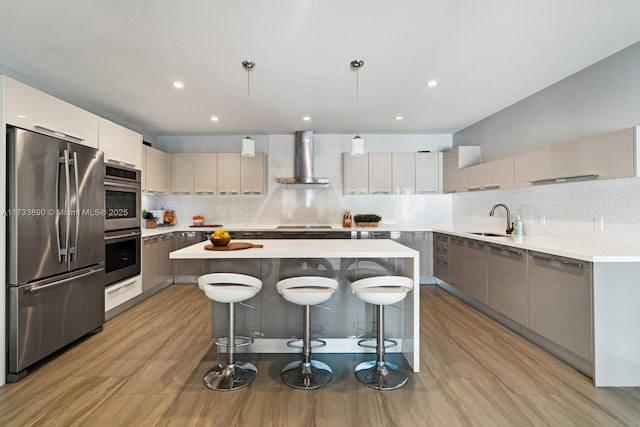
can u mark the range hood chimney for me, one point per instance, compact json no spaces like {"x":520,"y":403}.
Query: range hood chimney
{"x":303,"y":161}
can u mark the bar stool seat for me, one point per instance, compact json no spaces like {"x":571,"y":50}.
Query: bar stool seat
{"x":381,"y":291}
{"x":306,"y":291}
{"x":230,"y":288}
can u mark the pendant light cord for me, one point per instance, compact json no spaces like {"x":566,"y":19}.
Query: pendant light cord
{"x":357,"y":102}
{"x":248,"y":101}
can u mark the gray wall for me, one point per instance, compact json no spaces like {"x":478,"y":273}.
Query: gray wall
{"x":601,"y":98}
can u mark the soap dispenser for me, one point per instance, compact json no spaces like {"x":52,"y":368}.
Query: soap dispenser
{"x":518,"y":226}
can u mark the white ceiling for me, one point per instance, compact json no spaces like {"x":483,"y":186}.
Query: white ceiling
{"x":120,"y":57}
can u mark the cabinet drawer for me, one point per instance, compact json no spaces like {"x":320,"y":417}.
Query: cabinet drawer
{"x":122,"y":292}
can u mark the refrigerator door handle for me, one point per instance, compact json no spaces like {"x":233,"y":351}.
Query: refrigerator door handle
{"x":67,"y":204}
{"x":73,"y":252}
{"x":36,"y":288}
{"x":61,"y":252}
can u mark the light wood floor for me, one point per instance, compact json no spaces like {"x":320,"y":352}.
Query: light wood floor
{"x":146,"y":369}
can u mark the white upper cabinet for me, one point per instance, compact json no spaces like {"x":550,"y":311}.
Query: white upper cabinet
{"x":155,"y":170}
{"x":182,"y":173}
{"x":31,"y":109}
{"x":120,"y":145}
{"x":253,"y":174}
{"x":453,"y":161}
{"x":355,"y":174}
{"x":403,"y":173}
{"x":229,"y":173}
{"x":205,"y":173}
{"x":491,"y":175}
{"x":380,"y":173}
{"x":428,"y":176}
{"x":606,"y":156}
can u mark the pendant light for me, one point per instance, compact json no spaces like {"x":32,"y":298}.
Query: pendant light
{"x":357,"y":143}
{"x":248,"y":144}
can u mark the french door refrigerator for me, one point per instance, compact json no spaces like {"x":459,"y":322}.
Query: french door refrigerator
{"x":55,"y":245}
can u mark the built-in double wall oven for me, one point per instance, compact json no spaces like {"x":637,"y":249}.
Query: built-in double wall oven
{"x":122,"y":188}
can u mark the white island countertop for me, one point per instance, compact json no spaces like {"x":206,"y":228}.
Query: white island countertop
{"x":302,"y":248}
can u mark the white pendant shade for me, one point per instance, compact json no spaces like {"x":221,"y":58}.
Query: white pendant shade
{"x":248,"y":147}
{"x":357,"y":146}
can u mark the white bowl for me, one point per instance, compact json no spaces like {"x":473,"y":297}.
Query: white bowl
{"x":198,"y":221}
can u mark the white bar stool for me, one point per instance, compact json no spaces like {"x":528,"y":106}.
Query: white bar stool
{"x":230,"y":288}
{"x":306,"y":290}
{"x":381,"y":291}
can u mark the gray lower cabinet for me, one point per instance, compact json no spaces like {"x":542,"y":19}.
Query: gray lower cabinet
{"x":560,"y":302}
{"x":157,"y":268}
{"x":188,"y":270}
{"x":441,"y":256}
{"x":457,"y":263}
{"x":477,"y":270}
{"x":422,"y":241}
{"x":507,"y":278}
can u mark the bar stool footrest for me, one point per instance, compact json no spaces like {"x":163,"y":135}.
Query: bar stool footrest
{"x":388,"y":343}
{"x":240,"y":341}
{"x":294,"y":343}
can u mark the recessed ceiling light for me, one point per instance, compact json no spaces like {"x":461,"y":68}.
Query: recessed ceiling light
{"x":306,"y":118}
{"x":214,"y":118}
{"x":398,"y":117}
{"x":22,"y":116}
{"x":178,"y":84}
{"x":432,"y":83}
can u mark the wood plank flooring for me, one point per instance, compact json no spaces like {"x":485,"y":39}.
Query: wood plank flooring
{"x":146,"y":369}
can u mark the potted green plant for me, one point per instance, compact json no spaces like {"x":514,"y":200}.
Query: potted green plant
{"x":367,"y":220}
{"x":149,"y":220}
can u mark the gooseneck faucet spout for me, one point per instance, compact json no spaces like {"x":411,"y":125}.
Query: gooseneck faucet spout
{"x":509,"y":223}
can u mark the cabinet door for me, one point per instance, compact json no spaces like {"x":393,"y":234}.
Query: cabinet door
{"x":31,"y":109}
{"x":457,"y":263}
{"x":502,"y":173}
{"x":181,"y":173}
{"x":403,"y":173}
{"x":229,"y":173}
{"x":167,"y":243}
{"x":450,"y":171}
{"x":532,"y":167}
{"x":155,"y":166}
{"x":609,"y":156}
{"x":428,"y":176}
{"x":355,"y":174}
{"x":508,"y":290}
{"x":121,"y":292}
{"x":120,"y":145}
{"x":480,"y":177}
{"x":252,"y":174}
{"x":422,"y":241}
{"x":379,"y":173}
{"x":150,"y":262}
{"x":560,"y":304}
{"x":205,"y":173}
{"x":477,"y":273}
{"x":441,"y":257}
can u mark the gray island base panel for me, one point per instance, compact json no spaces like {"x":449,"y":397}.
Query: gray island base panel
{"x":341,"y":321}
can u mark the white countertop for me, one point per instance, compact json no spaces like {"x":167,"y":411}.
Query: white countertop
{"x":585,"y":251}
{"x":303,"y":248}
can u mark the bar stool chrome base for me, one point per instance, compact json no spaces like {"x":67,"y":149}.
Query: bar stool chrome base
{"x":306,"y":376}
{"x":381,"y":376}
{"x":230,"y":377}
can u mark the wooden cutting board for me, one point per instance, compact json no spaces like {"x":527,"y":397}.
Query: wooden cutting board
{"x":232,"y":246}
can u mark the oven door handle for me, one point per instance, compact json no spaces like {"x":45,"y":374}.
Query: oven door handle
{"x":122,"y":236}
{"x":132,"y":186}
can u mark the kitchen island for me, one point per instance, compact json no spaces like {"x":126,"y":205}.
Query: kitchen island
{"x":343,"y":320}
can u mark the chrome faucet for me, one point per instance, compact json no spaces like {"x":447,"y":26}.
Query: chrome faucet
{"x":509,"y":223}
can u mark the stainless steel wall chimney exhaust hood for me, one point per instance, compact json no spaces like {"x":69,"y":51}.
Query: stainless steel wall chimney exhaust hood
{"x":303,"y":161}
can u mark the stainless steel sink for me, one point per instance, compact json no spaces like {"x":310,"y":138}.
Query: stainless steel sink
{"x":482,"y":233}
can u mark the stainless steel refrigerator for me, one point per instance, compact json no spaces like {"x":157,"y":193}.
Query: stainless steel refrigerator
{"x":55,"y":245}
